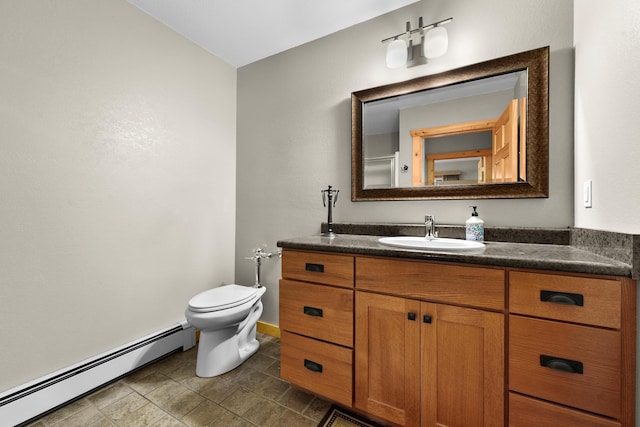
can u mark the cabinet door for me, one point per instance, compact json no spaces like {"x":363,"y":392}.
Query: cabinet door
{"x":462,"y":367}
{"x":387,"y":357}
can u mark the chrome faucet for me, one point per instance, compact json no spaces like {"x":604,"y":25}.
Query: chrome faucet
{"x":430,"y":225}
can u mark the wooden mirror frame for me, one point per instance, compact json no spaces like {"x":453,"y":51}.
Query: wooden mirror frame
{"x":536,"y":63}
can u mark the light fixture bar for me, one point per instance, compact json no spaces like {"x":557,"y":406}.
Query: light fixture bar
{"x":420,"y":28}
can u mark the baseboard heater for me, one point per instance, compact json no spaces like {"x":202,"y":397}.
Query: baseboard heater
{"x":37,"y":397}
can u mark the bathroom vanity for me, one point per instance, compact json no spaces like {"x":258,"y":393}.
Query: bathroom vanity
{"x":515,"y":334}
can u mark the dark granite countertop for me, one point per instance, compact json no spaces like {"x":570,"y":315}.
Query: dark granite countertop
{"x":501,"y":254}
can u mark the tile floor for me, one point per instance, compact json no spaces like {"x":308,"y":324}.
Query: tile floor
{"x":168,"y":393}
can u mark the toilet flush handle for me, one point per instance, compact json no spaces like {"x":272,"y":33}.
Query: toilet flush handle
{"x":258,"y":255}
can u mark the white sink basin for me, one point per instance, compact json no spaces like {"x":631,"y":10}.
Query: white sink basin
{"x":440,"y":244}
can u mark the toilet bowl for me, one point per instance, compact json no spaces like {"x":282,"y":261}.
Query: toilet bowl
{"x":226,"y":317}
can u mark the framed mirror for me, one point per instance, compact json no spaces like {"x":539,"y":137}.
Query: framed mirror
{"x":477,"y":132}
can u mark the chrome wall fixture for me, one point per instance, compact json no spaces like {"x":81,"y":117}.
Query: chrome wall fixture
{"x":414,"y":47}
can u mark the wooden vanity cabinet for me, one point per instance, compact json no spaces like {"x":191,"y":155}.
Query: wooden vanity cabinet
{"x":421,"y":358}
{"x":424,"y":343}
{"x":571,"y":350}
{"x":316,"y":323}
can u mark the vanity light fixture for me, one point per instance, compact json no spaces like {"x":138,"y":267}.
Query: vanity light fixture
{"x":397,"y":53}
{"x":436,"y":42}
{"x":413,"y":47}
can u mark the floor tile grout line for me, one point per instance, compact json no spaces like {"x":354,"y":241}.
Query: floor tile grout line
{"x":173,"y":369}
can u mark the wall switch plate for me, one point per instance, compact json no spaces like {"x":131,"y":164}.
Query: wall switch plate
{"x":588,"y":202}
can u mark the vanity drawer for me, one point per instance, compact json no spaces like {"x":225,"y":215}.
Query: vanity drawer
{"x":591,"y":301}
{"x":322,"y":368}
{"x":593,"y":351}
{"x":528,"y":412}
{"x":330,"y":269}
{"x":317,"y":311}
{"x":455,"y":284}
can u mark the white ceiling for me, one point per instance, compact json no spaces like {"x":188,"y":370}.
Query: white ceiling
{"x":244,"y":31}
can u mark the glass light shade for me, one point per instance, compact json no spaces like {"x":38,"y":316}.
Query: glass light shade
{"x":397,"y":53}
{"x":436,"y":42}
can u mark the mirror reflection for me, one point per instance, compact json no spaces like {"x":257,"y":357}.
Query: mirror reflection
{"x":480,"y":131}
{"x":470,"y":133}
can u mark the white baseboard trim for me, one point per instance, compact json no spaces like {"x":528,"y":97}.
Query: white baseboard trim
{"x":32,"y":399}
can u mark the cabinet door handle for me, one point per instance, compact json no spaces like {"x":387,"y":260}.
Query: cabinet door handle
{"x":312,"y":311}
{"x":562,"y":298}
{"x":315,"y":268}
{"x":411,"y":316}
{"x":426,"y":319}
{"x":561,"y":364}
{"x":312,"y":366}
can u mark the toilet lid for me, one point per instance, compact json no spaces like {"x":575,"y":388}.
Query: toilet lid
{"x":221,"y":298}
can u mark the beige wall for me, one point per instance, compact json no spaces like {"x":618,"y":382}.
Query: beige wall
{"x":117,"y":152}
{"x":607,"y":114}
{"x":294,"y":123}
{"x":607,"y":125}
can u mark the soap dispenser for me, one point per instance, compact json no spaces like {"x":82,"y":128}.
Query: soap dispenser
{"x":475,"y":227}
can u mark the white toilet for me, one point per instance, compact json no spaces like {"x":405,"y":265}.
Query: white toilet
{"x":227,"y":317}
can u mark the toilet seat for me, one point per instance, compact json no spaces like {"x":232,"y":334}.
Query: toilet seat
{"x":222,"y":298}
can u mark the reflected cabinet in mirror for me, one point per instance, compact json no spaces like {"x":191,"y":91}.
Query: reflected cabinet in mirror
{"x":479,"y":131}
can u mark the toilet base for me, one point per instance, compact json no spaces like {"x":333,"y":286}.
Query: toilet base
{"x":221,"y":350}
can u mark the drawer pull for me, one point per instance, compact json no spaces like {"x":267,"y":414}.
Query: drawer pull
{"x":315,"y":268}
{"x":560,"y":364}
{"x":411,"y":316}
{"x":426,"y":319}
{"x":562,"y":298}
{"x":312,"y":366}
{"x":312,"y":311}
